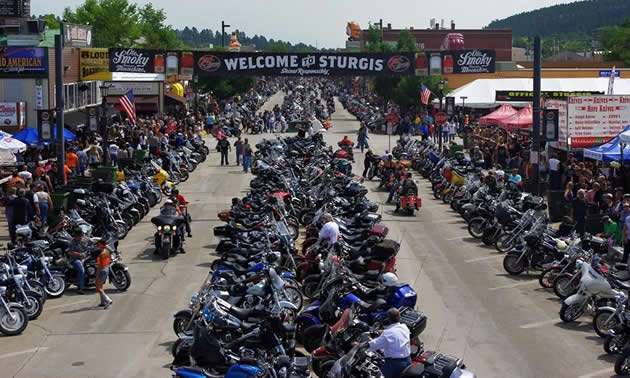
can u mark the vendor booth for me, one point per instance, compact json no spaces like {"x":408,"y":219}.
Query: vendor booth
{"x":494,"y":118}
{"x":611,"y":150}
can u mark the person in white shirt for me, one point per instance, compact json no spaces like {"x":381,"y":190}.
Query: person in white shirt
{"x":452,"y":131}
{"x":113,"y":153}
{"x":25,"y":175}
{"x":330,"y":231}
{"x":395,"y":344}
{"x":554,"y":173}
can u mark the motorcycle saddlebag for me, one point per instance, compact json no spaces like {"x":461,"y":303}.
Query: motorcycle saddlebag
{"x":220,"y":231}
{"x":385,"y":249}
{"x":206,"y":349}
{"x":416,"y":321}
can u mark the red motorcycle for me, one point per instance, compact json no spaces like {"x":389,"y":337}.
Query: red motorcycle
{"x":409,"y":202}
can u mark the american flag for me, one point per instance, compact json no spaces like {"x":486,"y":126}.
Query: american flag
{"x":425,"y":94}
{"x":129,"y":106}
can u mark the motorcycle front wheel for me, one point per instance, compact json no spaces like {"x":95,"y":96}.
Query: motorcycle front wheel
{"x":55,"y":287}
{"x":571,"y":313}
{"x":14,"y":322}
{"x":604,"y":321}
{"x":476,"y":227}
{"x":513,"y":265}
{"x":614,"y":344}
{"x":120,"y":278}
{"x":505,"y":243}
{"x":181,"y":321}
{"x":546,"y":277}
{"x":562,"y":286}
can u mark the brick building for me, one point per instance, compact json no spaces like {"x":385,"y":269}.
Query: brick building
{"x":498,"y":40}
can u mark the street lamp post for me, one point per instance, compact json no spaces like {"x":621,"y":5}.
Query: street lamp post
{"x":441,"y":87}
{"x":223,"y":27}
{"x":104,"y":88}
{"x":464,"y":98}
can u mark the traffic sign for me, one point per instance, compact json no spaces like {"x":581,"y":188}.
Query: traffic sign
{"x":441,"y":118}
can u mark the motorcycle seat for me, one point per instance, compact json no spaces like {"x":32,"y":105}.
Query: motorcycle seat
{"x":623,"y":284}
{"x":414,"y":371}
{"x":37,"y":244}
{"x":372,"y":306}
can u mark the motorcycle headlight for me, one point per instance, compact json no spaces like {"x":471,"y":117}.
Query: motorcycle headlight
{"x":159,"y":228}
{"x":174,"y":227}
{"x":167,"y":228}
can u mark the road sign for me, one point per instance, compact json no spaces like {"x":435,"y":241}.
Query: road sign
{"x":441,"y":118}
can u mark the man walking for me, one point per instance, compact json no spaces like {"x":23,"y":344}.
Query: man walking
{"x":224,"y":148}
{"x":238,"y":147}
{"x":247,"y":155}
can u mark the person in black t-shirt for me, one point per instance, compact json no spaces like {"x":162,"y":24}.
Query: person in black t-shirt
{"x":579,"y":212}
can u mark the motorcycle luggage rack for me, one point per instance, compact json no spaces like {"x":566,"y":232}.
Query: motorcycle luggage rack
{"x":416,"y":321}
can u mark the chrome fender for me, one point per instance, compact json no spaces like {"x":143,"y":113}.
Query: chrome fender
{"x":575,"y":298}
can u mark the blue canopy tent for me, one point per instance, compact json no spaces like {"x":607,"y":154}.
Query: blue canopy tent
{"x":610,"y":151}
{"x":30,"y":135}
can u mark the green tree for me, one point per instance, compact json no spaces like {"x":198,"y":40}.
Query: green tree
{"x":277,"y":47}
{"x":616,"y":40}
{"x":51,"y":21}
{"x":115,"y":23}
{"x":407,"y":42}
{"x":119,"y":23}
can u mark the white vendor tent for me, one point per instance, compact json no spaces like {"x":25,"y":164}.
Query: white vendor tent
{"x":481,"y":93}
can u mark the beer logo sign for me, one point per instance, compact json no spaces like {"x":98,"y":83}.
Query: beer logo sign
{"x":398,"y":63}
{"x":209,"y":63}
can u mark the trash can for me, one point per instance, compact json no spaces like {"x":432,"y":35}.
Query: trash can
{"x":60,"y":200}
{"x":106,"y":173}
{"x":139,"y":155}
{"x":556,"y":205}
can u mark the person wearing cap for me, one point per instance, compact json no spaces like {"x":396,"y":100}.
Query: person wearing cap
{"x":102,"y":272}
{"x":77,"y":252}
{"x":330,"y":231}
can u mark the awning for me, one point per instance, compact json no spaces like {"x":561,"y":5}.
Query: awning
{"x":173,"y":97}
{"x":610,"y":150}
{"x":75,"y":119}
{"x":494,"y":118}
{"x":521,"y":120}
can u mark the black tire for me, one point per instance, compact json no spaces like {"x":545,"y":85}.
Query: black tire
{"x":121,"y":229}
{"x":512,"y":265}
{"x":34,"y":306}
{"x":181,"y":321}
{"x":184,"y":175}
{"x":561,"y":286}
{"x":119,"y":277}
{"x":165,"y":253}
{"x":55,"y":287}
{"x":571,"y":313}
{"x":153,"y":199}
{"x":476,"y":226}
{"x":128,"y":219}
{"x":614,"y":344}
{"x":307,"y":217}
{"x":603,"y":323}
{"x":503,"y":243}
{"x":15,"y":326}
{"x":175,"y":347}
{"x":546,"y":277}
{"x":488,"y":238}
{"x":622,"y":364}
{"x":309,"y":285}
{"x":39,"y":289}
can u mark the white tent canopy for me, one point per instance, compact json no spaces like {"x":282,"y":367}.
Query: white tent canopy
{"x":481,"y":93}
{"x":625,"y":137}
{"x":8,"y":143}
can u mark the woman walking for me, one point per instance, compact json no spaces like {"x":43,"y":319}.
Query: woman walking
{"x":363,"y":137}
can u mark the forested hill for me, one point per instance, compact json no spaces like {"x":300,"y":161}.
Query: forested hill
{"x":576,"y":17}
{"x":203,"y":38}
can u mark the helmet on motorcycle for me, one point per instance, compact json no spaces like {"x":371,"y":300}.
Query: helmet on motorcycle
{"x":389,"y":279}
{"x":169,"y":202}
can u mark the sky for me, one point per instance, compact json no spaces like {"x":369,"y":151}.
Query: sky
{"x":321,"y":23}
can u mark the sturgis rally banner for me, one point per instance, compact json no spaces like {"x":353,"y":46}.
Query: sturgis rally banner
{"x":210,"y":63}
{"x":303,"y":64}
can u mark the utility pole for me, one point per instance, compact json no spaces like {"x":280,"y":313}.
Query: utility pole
{"x":380,"y":24}
{"x":59,"y":91}
{"x":535,"y":155}
{"x":223,"y":27}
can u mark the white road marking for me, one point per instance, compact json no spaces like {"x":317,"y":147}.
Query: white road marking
{"x":540,"y":324}
{"x":493,"y":257}
{"x":66,"y":304}
{"x":604,"y":372}
{"x":7,"y":355}
{"x":458,"y":238}
{"x":513,"y":285}
{"x":443,"y":221}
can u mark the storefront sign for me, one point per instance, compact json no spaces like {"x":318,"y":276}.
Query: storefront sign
{"x":77,"y":35}
{"x":608,"y":73}
{"x":314,"y":64}
{"x":470,"y":61}
{"x":550,"y":124}
{"x":23,"y":61}
{"x":596,"y":117}
{"x":561,"y":105}
{"x":94,"y":64}
{"x":139,"y":88}
{"x":15,"y":8}
{"x":528,"y":96}
{"x":44,"y":125}
{"x":131,"y":60}
{"x":12,"y":113}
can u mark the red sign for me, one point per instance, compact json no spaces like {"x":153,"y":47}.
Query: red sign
{"x":587,"y":142}
{"x":441,"y":118}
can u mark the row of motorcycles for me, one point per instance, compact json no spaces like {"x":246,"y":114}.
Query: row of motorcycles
{"x":500,"y":214}
{"x":265,"y":295}
{"x":37,"y":266}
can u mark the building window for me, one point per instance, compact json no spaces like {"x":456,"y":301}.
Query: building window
{"x":79,"y":95}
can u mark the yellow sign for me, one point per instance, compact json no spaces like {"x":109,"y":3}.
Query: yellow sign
{"x":94,"y":64}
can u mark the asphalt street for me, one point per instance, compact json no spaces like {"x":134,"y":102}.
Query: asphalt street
{"x":501,"y":326}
